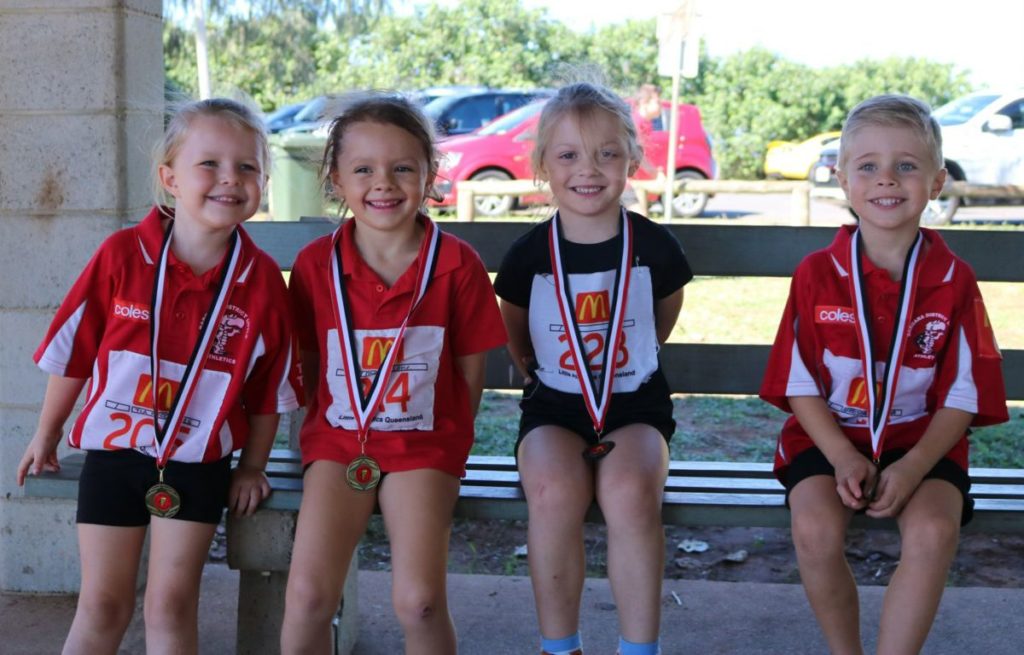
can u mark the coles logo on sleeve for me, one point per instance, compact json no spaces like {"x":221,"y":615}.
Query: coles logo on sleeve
{"x":133,"y":311}
{"x":833,"y":315}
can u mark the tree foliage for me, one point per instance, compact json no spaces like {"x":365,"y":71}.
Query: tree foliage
{"x":280,"y":52}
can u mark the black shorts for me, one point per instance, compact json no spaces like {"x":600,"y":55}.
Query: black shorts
{"x":113,"y":484}
{"x":812,"y":462}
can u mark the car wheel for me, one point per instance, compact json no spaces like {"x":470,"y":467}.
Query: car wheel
{"x":689,"y":205}
{"x":493,"y":205}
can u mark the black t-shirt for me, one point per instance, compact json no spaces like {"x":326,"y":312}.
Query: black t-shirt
{"x":659,"y":269}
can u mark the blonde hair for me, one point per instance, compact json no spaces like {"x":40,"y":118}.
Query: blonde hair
{"x":893,"y":110}
{"x":583,"y":100}
{"x":180,"y":117}
{"x":385,"y":108}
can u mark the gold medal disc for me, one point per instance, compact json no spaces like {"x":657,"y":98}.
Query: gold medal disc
{"x":363,"y":473}
{"x":162,"y":500}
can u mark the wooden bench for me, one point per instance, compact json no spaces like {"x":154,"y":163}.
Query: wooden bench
{"x":697,"y":493}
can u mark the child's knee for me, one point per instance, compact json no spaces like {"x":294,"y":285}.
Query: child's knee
{"x":105,"y":612}
{"x":817,"y":535}
{"x":310,"y":599}
{"x":417,"y":605}
{"x":632,"y":503}
{"x":930,"y":536}
{"x":170,"y":610}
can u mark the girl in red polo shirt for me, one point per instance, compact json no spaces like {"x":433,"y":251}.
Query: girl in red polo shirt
{"x":394,"y":319}
{"x":181,"y":313}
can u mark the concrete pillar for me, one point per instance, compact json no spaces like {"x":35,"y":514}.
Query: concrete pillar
{"x":81,"y":98}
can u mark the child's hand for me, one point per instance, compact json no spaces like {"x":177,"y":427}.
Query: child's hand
{"x":249,"y":488}
{"x":41,"y":455}
{"x":896,"y":484}
{"x":855,"y":476}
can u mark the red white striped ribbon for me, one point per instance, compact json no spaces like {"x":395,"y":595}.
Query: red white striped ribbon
{"x":166,"y":432}
{"x":364,"y":408}
{"x":596,"y":393}
{"x":882,"y":393}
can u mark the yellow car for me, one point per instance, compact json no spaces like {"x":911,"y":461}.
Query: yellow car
{"x":794,"y":159}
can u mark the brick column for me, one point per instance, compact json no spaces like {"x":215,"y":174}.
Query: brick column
{"x":81,"y":97}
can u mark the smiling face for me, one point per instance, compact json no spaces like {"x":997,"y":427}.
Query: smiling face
{"x":587,"y":161}
{"x":216,"y":176}
{"x":889,"y":174}
{"x":382,"y":175}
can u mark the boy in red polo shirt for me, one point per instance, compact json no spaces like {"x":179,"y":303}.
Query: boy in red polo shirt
{"x":885,"y":357}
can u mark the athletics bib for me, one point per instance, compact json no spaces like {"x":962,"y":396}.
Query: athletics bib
{"x":635,"y":361}
{"x":122,"y":417}
{"x":408,"y":399}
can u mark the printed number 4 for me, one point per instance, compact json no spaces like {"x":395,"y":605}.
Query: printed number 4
{"x":398,"y":393}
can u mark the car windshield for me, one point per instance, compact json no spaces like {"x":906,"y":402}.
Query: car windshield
{"x":960,"y":111}
{"x":512,"y":119}
{"x":313,"y":111}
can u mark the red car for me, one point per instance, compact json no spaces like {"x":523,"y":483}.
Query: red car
{"x":501,"y":151}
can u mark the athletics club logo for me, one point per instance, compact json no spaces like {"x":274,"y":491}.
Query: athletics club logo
{"x":592,"y":307}
{"x":375,"y":351}
{"x":232,"y":324}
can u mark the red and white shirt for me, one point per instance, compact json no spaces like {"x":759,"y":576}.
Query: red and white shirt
{"x":951,"y":358}
{"x":425,"y":420}
{"x":102,"y":332}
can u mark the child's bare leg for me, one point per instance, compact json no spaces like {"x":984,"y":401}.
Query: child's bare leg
{"x":332,"y":519}
{"x":177,"y":553}
{"x":819,"y":522}
{"x":559,"y":487}
{"x":630,"y":486}
{"x":929,"y":530}
{"x":110,"y":567}
{"x":417,"y":508}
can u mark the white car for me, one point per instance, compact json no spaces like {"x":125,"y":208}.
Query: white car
{"x":982,"y":141}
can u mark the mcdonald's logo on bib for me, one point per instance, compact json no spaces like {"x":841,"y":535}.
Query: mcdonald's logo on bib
{"x":375,"y":350}
{"x":165,"y":393}
{"x":592,"y":307}
{"x":858,"y":395}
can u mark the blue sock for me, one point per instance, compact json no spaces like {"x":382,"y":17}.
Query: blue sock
{"x":629,"y":648}
{"x":561,"y":646}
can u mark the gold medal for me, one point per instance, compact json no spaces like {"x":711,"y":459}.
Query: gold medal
{"x":162,"y":500}
{"x":363,"y":473}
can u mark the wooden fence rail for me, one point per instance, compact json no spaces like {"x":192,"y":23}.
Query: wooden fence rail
{"x":801,"y":192}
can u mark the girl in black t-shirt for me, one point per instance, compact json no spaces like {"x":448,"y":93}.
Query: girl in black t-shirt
{"x":594,"y":288}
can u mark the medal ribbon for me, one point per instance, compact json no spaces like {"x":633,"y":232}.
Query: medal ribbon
{"x":596,"y":393}
{"x":365,"y":407}
{"x":179,"y":403}
{"x":882,"y":393}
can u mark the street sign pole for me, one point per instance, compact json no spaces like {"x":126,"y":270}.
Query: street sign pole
{"x":676,"y":34}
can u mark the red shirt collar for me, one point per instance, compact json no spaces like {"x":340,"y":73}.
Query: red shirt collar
{"x":354,"y":266}
{"x":151,"y":232}
{"x":937,"y":269}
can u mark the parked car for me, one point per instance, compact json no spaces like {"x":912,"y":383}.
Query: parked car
{"x":501,"y":151}
{"x":794,"y":159}
{"x":283,"y":117}
{"x":462,"y":113}
{"x":425,"y":96}
{"x":982,"y":143}
{"x":311,"y":116}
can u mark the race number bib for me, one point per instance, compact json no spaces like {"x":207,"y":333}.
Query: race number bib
{"x":123,"y":415}
{"x":637,"y":356}
{"x":408,"y":400}
{"x":848,"y":397}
